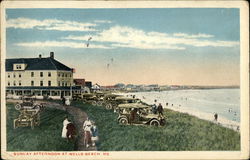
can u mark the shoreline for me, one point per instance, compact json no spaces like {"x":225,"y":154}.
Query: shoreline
{"x":222,"y":121}
{"x":172,"y":89}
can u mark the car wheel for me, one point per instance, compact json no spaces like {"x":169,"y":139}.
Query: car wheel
{"x":108,"y":106}
{"x":154,"y":122}
{"x":123,"y":121}
{"x":99,"y":103}
{"x":18,"y":106}
{"x":37,"y":107}
{"x":163,"y":122}
{"x":94,"y":103}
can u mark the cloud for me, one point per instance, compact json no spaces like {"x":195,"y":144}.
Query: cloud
{"x":60,"y":44}
{"x":102,"y":21}
{"x":122,"y":36}
{"x":193,"y":35}
{"x":50,"y":24}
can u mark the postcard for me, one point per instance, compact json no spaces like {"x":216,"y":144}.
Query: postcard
{"x":124,"y":80}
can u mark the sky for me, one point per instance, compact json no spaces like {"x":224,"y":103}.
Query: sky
{"x":165,"y":46}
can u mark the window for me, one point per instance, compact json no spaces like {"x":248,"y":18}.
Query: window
{"x":65,"y":83}
{"x":14,"y":75}
{"x":8,"y":75}
{"x":20,"y":75}
{"x":14,"y":83}
{"x":49,"y":83}
{"x":62,"y":83}
{"x":18,"y":67}
{"x":63,"y":75}
{"x":20,"y":83}
{"x":58,"y":83}
{"x":41,"y":74}
{"x":32,"y":83}
{"x":49,"y":74}
{"x":66,"y":74}
{"x":8,"y":83}
{"x":41,"y":82}
{"x":32,"y":74}
{"x":58,"y":74}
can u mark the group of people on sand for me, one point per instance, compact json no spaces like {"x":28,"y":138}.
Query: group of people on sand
{"x":90,"y":131}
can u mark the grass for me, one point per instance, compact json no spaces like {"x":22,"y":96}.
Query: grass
{"x":46,"y":137}
{"x":182,"y":133}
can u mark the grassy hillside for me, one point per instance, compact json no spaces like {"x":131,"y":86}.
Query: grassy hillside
{"x":182,"y":132}
{"x":46,"y":137}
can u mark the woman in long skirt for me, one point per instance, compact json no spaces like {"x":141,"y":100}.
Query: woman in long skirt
{"x":64,"y":130}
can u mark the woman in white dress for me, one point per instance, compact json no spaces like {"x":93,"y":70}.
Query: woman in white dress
{"x":64,"y":130}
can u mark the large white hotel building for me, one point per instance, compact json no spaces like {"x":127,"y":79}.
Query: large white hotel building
{"x":39,"y":77}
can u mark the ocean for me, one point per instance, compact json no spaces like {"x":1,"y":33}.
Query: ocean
{"x":203,"y":103}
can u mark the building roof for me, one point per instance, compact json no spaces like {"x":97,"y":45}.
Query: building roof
{"x":47,"y":63}
{"x":79,"y":81}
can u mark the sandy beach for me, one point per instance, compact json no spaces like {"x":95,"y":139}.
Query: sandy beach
{"x":177,"y":104}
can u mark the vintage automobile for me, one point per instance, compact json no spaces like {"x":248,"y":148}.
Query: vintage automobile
{"x":28,"y":103}
{"x":77,"y":96}
{"x":100,"y":98}
{"x":89,"y":98}
{"x":124,"y":100}
{"x":137,"y":113}
{"x":109,"y":100}
{"x":28,"y":117}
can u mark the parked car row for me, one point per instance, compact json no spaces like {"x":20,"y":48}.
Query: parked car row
{"x":130,"y":110}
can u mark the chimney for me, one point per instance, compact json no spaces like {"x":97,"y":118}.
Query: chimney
{"x":52,"y":55}
{"x":40,"y":56}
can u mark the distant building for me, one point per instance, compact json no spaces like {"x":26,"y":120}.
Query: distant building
{"x":109,"y":88}
{"x":88,"y":84}
{"x":40,"y":77}
{"x":79,"y":82}
{"x":175,"y":87}
{"x":96,"y":87}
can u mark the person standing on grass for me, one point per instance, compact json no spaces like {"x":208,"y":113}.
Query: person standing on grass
{"x":94,"y":132}
{"x":216,"y":117}
{"x":63,"y":100}
{"x":87,"y":132}
{"x":154,"y":107}
{"x":160,"y":109}
{"x":86,"y":123}
{"x":132,"y":115}
{"x":64,"y":130}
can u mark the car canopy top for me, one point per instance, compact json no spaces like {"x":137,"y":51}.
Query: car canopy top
{"x":112,"y":95}
{"x":132,"y":105}
{"x":126,"y":98}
